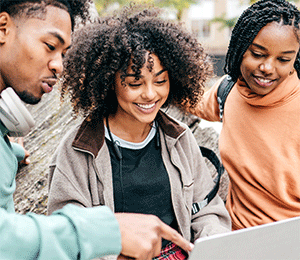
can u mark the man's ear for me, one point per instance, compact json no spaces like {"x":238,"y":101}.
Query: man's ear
{"x":5,"y":21}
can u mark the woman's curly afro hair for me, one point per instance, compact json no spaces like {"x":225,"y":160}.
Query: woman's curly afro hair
{"x":36,"y":8}
{"x":102,"y":49}
{"x":252,"y":20}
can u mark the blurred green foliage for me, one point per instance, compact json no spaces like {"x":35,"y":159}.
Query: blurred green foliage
{"x":103,"y":6}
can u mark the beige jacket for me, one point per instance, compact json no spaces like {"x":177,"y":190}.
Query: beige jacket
{"x":80,"y":173}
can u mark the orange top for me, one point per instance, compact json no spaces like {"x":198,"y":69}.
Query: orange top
{"x":260,"y":149}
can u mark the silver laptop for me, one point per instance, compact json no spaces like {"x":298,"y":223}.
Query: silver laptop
{"x":278,"y":240}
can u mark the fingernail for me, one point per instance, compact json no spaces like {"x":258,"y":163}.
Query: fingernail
{"x":191,"y":246}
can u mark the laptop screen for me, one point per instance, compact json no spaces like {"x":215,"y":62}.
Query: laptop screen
{"x":278,"y":240}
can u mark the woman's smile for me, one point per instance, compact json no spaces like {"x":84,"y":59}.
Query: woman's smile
{"x":263,"y":82}
{"x":146,"y":107}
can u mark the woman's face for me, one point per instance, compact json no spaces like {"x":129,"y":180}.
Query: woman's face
{"x":140,"y":99}
{"x":270,"y":58}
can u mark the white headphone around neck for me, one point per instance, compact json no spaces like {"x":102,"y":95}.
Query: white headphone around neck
{"x":13,"y":113}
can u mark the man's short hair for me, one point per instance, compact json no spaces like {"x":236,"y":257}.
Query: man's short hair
{"x":37,"y":8}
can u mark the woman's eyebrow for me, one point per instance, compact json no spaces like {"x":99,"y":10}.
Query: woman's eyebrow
{"x":160,"y":72}
{"x":258,"y":46}
{"x":263,"y":48}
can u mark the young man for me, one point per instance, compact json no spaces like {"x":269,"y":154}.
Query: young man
{"x":34,"y":37}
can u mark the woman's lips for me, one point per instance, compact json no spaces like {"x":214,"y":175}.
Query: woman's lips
{"x":146,"y":108}
{"x":263,"y":81}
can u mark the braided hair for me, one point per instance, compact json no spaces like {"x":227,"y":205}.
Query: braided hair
{"x":102,"y":49}
{"x":252,"y":20}
{"x":37,"y":8}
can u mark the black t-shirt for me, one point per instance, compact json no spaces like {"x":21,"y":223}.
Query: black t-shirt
{"x":141,"y":182}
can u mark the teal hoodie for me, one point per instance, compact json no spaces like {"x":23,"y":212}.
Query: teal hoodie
{"x":9,"y":155}
{"x":69,"y":233}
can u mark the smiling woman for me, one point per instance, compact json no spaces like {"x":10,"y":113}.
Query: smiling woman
{"x":139,"y":98}
{"x":268,"y":62}
{"x":127,"y":153}
{"x":260,"y":137}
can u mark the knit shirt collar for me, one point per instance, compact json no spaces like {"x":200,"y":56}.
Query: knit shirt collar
{"x":90,"y":135}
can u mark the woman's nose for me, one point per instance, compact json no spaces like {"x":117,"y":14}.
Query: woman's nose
{"x":149,"y":92}
{"x":267,"y":66}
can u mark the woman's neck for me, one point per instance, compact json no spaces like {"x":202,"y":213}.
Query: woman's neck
{"x":131,"y":131}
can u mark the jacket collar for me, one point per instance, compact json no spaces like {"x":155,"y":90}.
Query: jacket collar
{"x":169,"y":126}
{"x":90,"y":135}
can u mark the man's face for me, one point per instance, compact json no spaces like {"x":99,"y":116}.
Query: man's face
{"x":31,"y":52}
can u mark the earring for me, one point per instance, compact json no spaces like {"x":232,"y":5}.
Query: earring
{"x":292,"y":71}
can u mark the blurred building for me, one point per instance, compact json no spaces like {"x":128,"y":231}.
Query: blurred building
{"x":214,"y":36}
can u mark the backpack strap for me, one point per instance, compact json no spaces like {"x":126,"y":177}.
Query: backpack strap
{"x":223,"y":90}
{"x":213,"y":158}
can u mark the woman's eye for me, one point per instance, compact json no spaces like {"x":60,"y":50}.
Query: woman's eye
{"x":257,"y":55}
{"x":284,"y":59}
{"x":134,"y":84}
{"x":160,"y":82}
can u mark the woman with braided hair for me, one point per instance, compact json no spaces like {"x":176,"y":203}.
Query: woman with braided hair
{"x":260,"y":139}
{"x":127,"y":153}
